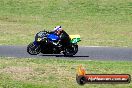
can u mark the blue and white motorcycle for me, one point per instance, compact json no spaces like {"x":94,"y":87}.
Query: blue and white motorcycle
{"x":47,"y":43}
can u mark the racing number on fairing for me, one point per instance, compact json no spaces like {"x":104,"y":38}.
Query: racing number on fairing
{"x":74,"y":40}
{"x":39,"y":39}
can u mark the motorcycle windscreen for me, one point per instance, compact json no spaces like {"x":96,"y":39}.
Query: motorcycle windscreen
{"x":53,"y":37}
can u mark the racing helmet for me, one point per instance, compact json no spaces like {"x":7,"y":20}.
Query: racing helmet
{"x":57,"y":28}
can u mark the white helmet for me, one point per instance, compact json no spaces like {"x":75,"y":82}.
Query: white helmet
{"x":57,"y":28}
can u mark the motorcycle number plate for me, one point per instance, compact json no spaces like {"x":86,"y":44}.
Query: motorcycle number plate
{"x":39,"y":39}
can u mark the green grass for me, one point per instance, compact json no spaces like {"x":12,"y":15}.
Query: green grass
{"x":56,"y":73}
{"x":99,"y":22}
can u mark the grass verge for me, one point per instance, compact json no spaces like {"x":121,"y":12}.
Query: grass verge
{"x":56,"y":73}
{"x":99,"y":22}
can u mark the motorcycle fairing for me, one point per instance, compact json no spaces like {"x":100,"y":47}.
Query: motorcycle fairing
{"x":75,"y":38}
{"x":53,"y":37}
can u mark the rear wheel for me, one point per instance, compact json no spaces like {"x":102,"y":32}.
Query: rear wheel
{"x":70,"y":51}
{"x":33,"y":49}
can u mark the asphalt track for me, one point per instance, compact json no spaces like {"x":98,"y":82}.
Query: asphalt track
{"x":89,"y":53}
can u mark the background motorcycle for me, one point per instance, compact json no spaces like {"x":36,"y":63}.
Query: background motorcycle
{"x":47,"y":43}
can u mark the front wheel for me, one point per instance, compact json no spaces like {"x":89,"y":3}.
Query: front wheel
{"x":70,"y":51}
{"x":33,"y":49}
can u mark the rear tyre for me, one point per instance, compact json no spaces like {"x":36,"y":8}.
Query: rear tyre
{"x":33,"y":49}
{"x":70,"y":51}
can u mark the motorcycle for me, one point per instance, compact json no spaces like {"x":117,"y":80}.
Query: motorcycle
{"x":48,"y":43}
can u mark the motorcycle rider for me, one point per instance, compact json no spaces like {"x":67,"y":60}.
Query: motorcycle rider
{"x":64,"y":37}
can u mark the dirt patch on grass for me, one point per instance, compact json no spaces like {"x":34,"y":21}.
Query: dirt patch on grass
{"x":17,"y":70}
{"x":19,"y":73}
{"x":40,"y":73}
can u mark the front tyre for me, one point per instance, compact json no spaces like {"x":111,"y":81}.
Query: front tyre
{"x":33,"y":49}
{"x":70,"y":51}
